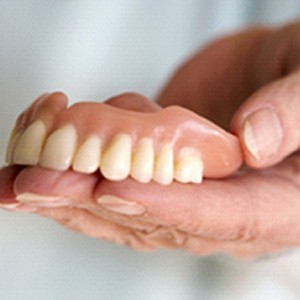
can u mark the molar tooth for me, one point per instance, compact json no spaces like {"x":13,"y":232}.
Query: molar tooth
{"x":29,"y":146}
{"x":189,"y":166}
{"x":116,"y":160}
{"x":87,"y":159}
{"x":164,"y":165}
{"x":60,"y":148}
{"x":143,"y":161}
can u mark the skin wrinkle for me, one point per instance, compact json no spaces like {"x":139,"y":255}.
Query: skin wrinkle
{"x":273,"y":232}
{"x":154,"y":230}
{"x":161,"y":233}
{"x":267,"y":233}
{"x":160,"y":238}
{"x":201,"y":227}
{"x":253,"y":235}
{"x":249,"y":231}
{"x":149,"y":233}
{"x":143,"y":229}
{"x":129,"y":242}
{"x":133,"y":222}
{"x":139,"y":224}
{"x":72,"y":215}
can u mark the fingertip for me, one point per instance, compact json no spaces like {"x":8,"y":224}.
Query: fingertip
{"x":7,"y":178}
{"x":134,"y":102}
{"x":57,"y":98}
{"x":261,"y":136}
{"x":57,"y":184}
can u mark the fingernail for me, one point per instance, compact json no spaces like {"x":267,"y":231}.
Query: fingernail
{"x":17,"y":207}
{"x":42,"y":200}
{"x":121,"y":206}
{"x":262,"y":133}
{"x":38,"y":103}
{"x":9,"y":206}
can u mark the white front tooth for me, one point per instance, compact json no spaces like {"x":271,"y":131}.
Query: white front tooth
{"x":60,"y":148}
{"x":189,"y":166}
{"x":13,"y":140}
{"x":164,"y":165}
{"x":116,"y":160}
{"x":87,"y":158}
{"x":143,"y":161}
{"x":29,"y":146}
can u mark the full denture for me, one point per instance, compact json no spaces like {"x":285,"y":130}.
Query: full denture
{"x":173,"y":143}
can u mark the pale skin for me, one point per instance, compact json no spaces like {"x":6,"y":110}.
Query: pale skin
{"x":237,"y":82}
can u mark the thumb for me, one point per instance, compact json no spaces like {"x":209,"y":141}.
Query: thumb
{"x":268,"y":122}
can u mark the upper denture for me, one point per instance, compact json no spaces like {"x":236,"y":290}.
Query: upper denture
{"x":179,"y":127}
{"x":174,"y":143}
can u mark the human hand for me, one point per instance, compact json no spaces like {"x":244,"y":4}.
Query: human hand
{"x":251,"y":213}
{"x":58,"y":194}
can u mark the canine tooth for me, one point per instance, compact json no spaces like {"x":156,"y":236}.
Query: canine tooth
{"x":189,"y":166}
{"x":60,"y":148}
{"x":164,"y":165}
{"x":143,"y":161}
{"x":29,"y":146}
{"x":116,"y":160}
{"x":13,"y":140}
{"x":87,"y":158}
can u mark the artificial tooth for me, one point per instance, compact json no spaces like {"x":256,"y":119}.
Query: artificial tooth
{"x":13,"y":139}
{"x":189,"y":166}
{"x":164,"y":165}
{"x":29,"y":146}
{"x":60,"y":148}
{"x":87,"y":158}
{"x":116,"y":160}
{"x":143,"y":161}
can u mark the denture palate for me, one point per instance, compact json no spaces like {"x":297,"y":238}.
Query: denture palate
{"x":171,"y":144}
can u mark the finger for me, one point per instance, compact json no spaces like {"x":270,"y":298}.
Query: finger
{"x":268,"y":122}
{"x":7,"y":193}
{"x":200,"y":209}
{"x":133,"y":102}
{"x":243,"y":208}
{"x":203,"y":210}
{"x":87,"y":223}
{"x":47,"y":191}
{"x":201,"y":221}
{"x":41,"y":187}
{"x":7,"y":177}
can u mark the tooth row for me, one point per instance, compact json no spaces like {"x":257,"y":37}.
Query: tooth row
{"x":117,"y":161}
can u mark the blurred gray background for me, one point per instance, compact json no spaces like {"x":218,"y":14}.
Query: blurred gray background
{"x":92,"y":50}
